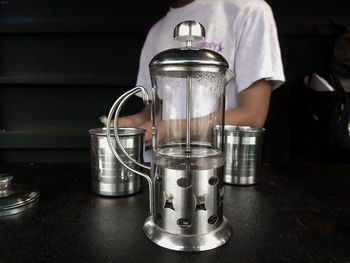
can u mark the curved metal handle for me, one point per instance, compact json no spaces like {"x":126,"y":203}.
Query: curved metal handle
{"x":123,"y":99}
{"x":117,"y":106}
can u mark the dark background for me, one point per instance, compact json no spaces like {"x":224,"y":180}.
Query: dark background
{"x":64,"y":63}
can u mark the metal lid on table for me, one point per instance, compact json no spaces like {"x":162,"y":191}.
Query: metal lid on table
{"x":15,"y":198}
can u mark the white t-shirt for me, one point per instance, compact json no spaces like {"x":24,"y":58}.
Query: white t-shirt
{"x":243,"y":31}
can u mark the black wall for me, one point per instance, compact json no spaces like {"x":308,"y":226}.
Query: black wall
{"x":63,"y":64}
{"x":307,"y":32}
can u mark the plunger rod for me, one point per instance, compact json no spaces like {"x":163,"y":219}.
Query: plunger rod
{"x":188,"y":112}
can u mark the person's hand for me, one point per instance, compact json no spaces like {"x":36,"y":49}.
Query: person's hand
{"x":126,"y":121}
{"x":135,"y":120}
{"x":148,"y":135}
{"x":176,"y":130}
{"x":163,"y":133}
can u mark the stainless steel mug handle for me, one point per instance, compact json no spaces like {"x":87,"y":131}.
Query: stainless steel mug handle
{"x":117,"y":106}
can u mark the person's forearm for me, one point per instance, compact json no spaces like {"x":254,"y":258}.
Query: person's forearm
{"x":253,"y":109}
{"x":201,"y":128}
{"x":253,"y":106}
{"x":244,"y":117}
{"x":142,"y":116}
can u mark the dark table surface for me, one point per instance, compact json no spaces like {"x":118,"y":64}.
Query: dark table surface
{"x":299,"y":213}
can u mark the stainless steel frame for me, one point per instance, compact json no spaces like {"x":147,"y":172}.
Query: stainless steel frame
{"x":186,"y":207}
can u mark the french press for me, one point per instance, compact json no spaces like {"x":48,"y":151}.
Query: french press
{"x":186,"y":175}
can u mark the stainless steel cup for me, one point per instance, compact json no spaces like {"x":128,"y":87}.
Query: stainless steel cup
{"x":109,"y":177}
{"x":243,"y":154}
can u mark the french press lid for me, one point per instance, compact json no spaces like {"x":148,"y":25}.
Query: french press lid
{"x":188,"y":58}
{"x":15,"y":198}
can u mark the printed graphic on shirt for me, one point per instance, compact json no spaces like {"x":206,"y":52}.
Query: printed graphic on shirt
{"x":217,"y":47}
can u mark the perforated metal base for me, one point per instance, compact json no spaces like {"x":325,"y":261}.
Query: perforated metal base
{"x":211,"y":240}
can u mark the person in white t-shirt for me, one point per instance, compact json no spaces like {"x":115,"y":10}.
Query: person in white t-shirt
{"x":244,"y":32}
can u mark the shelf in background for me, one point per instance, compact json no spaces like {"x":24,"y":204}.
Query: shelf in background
{"x":86,"y":80}
{"x":59,"y":138}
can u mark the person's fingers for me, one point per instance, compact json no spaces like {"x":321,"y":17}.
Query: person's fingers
{"x":148,"y":135}
{"x":103,"y":119}
{"x":148,"y":140}
{"x":126,"y":122}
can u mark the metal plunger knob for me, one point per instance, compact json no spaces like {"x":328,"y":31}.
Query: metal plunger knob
{"x":5,"y":180}
{"x":189,"y":31}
